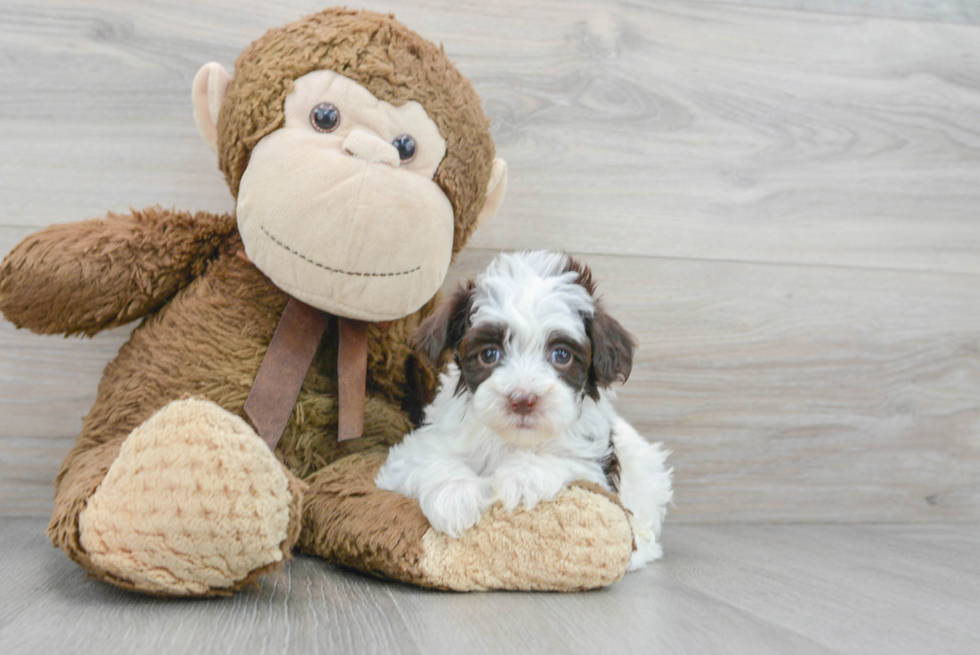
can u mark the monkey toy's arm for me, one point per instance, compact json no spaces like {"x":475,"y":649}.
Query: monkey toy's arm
{"x":80,"y":278}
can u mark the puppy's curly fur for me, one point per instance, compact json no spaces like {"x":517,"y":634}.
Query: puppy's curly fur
{"x":525,"y":409}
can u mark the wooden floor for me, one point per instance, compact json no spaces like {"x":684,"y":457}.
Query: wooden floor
{"x":721,"y":589}
{"x":781,"y":198}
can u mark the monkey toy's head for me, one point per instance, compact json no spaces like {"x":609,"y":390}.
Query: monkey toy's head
{"x":359,"y":156}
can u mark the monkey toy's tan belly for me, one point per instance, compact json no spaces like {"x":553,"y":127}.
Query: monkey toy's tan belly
{"x":208,"y":342}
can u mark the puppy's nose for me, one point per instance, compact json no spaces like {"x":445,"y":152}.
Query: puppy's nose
{"x":523,"y":403}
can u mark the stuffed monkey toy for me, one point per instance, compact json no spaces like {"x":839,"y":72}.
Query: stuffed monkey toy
{"x":361,"y":161}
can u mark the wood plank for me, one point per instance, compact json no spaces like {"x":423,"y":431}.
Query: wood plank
{"x":683,"y":130}
{"x":725,"y":589}
{"x":950,"y":11}
{"x":851,"y":589}
{"x":48,"y":604}
{"x":644,"y":613}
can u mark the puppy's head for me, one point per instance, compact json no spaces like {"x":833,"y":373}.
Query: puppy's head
{"x":531,"y":341}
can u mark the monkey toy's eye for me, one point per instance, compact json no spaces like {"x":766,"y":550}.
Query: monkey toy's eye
{"x":325,"y":117}
{"x":405,"y":145}
{"x":489,"y":356}
{"x":560,"y":356}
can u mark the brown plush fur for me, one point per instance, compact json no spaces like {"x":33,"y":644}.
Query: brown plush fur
{"x":394,"y":63}
{"x":381,"y":531}
{"x":83,"y":278}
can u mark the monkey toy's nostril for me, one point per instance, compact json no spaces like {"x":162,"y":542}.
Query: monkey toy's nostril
{"x":367,"y":146}
{"x":523,"y":403}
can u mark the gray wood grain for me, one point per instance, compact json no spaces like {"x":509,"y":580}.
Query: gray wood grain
{"x":781,"y":204}
{"x":952,"y":11}
{"x":883,"y":597}
{"x":720,"y":589}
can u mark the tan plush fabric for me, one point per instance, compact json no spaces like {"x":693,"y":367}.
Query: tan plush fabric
{"x":207,"y":93}
{"x":369,"y":241}
{"x":194,"y":501}
{"x":581,"y":540}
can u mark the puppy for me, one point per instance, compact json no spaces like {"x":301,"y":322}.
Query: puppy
{"x":526,"y":409}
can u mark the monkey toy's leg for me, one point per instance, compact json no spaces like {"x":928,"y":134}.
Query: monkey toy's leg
{"x":581,"y":540}
{"x":190,"y":503}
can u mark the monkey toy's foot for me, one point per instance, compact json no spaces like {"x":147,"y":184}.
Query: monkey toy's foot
{"x":195,"y":504}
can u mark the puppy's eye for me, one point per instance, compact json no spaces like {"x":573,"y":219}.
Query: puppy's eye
{"x":489,"y":356}
{"x":325,"y":117}
{"x":560,"y":356}
{"x":405,"y":145}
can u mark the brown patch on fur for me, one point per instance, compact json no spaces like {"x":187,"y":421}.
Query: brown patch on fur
{"x":473,"y":370}
{"x":584,"y":274}
{"x":576,"y":372}
{"x":612,"y":469}
{"x":349,"y":521}
{"x":612,"y":349}
{"x":394,"y":63}
{"x":418,"y":394}
{"x":445,"y":327}
{"x":612,"y":345}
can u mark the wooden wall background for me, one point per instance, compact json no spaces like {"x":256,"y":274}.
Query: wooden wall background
{"x":780,"y":197}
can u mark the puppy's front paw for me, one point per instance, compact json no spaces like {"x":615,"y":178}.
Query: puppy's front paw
{"x":516,"y":486}
{"x":455,"y":506}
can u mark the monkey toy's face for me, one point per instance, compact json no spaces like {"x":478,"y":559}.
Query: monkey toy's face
{"x":338,"y":207}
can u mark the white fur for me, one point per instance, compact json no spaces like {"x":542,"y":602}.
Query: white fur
{"x":472,"y":451}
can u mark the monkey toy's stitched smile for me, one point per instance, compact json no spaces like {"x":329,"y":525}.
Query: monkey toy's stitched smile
{"x":339,"y":207}
{"x":331,"y":268}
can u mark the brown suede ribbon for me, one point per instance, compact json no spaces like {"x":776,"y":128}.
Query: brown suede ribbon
{"x":273,"y":395}
{"x":294,"y":344}
{"x":276,"y":388}
{"x":351,"y":377}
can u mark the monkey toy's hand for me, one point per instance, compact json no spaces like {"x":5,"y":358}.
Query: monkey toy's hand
{"x":88,"y":276}
{"x":581,"y":539}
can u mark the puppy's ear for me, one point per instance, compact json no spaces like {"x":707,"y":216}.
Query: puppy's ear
{"x":445,"y":327}
{"x":612,"y":349}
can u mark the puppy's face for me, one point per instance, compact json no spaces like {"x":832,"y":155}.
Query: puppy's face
{"x":531,"y":344}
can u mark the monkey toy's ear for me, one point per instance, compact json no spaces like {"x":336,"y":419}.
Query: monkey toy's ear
{"x":210,"y":87}
{"x":445,"y":327}
{"x":496,"y":188}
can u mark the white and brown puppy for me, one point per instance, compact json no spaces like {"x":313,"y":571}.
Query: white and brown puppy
{"x":526,"y":408}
